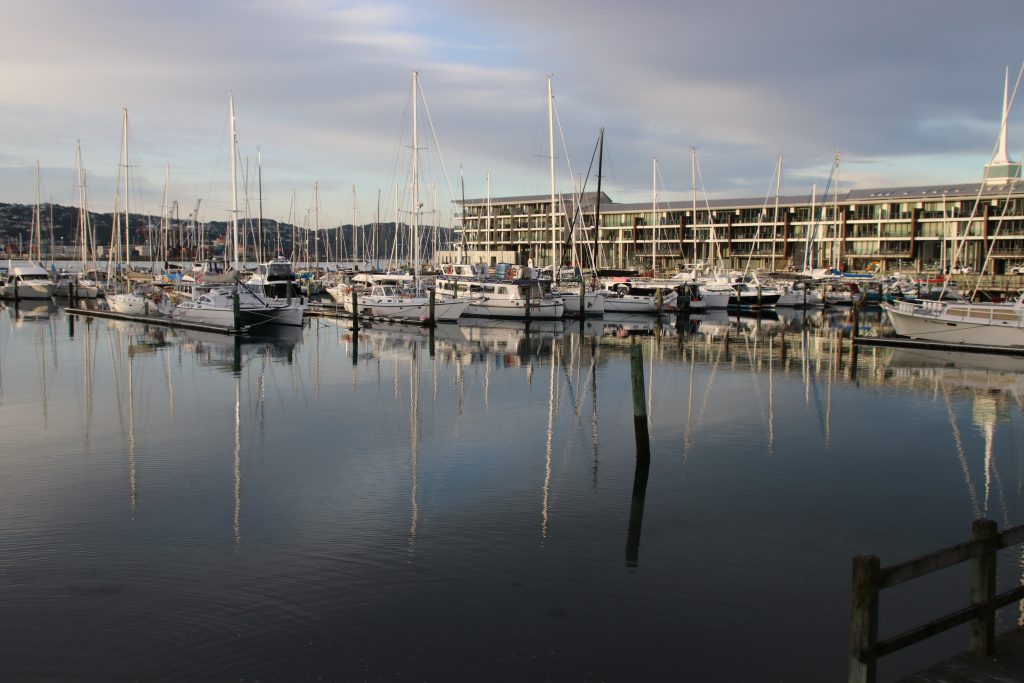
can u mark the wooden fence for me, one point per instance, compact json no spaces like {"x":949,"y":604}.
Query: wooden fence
{"x":869,"y":578}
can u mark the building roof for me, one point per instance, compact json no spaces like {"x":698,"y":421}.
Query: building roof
{"x":954,"y":191}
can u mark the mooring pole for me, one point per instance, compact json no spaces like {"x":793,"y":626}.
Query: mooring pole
{"x":355,"y":310}
{"x":430,"y":317}
{"x":643,"y":441}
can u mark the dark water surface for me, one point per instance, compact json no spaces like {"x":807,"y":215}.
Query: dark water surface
{"x":176,"y":505}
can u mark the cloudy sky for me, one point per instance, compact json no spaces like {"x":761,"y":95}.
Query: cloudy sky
{"x":908,"y":92}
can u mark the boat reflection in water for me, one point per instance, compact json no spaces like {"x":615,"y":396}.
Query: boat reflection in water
{"x":382,"y":485}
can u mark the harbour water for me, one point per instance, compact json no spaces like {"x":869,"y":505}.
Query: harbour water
{"x":458,"y":505}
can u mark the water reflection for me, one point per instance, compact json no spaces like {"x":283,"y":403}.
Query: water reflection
{"x":372,"y":478}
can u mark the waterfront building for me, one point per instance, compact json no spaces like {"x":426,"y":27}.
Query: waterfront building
{"x":917,"y":228}
{"x":910,"y":228}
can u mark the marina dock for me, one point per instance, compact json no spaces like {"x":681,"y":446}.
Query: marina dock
{"x":156,"y":320}
{"x":1007,"y":664}
{"x":905,"y":343}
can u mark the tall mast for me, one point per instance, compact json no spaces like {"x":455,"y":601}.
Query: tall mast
{"x":316,"y":222}
{"x":488,"y":219}
{"x":234,"y":181}
{"x":259,"y":189}
{"x":693,"y":186}
{"x":551,"y":159}
{"x":838,"y":242}
{"x":654,"y":219}
{"x":165,"y":219}
{"x":355,"y":233}
{"x":597,"y":202}
{"x":415,"y":185}
{"x":82,"y":215}
{"x":775,"y":221}
{"x":37,"y":230}
{"x":127,"y":230}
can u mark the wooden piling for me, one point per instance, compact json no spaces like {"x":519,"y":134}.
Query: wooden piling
{"x":236,"y":308}
{"x":583,"y":296}
{"x":636,"y":512}
{"x":430,"y":316}
{"x":864,"y":619}
{"x":983,"y":588}
{"x":659,"y":298}
{"x":355,"y":310}
{"x":643,"y":441}
{"x":528,"y":304}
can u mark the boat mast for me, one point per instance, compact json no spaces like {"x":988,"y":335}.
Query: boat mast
{"x":597,"y":202}
{"x":165,"y":219}
{"x":654,"y":219}
{"x":693,"y":187}
{"x":775,"y":222}
{"x":551,"y":159}
{"x":260,"y":256}
{"x":234,"y":181}
{"x":127,"y":231}
{"x":838,"y":243}
{"x":83,"y":216}
{"x":415,"y":186}
{"x":355,"y":233}
{"x":37,"y":230}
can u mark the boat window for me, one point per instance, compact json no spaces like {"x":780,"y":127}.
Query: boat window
{"x":502,"y":290}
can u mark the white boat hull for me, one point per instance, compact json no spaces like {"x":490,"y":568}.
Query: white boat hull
{"x":128,"y":304}
{"x":546,"y":309}
{"x":593,"y":303}
{"x":958,"y":323}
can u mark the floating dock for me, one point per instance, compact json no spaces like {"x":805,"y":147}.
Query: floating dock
{"x":156,"y":320}
{"x":906,"y":343}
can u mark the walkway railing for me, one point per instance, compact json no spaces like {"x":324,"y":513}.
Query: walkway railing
{"x":870,"y":578}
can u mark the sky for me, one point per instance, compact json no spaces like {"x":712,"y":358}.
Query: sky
{"x":907,"y":93}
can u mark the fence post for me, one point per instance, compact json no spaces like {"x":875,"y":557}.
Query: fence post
{"x":864,"y":619}
{"x":983,"y":588}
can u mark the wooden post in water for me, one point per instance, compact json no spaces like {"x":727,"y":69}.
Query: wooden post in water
{"x":236,"y":308}
{"x":73,"y":291}
{"x":864,"y":619}
{"x":71,"y":326}
{"x":288,"y":290}
{"x":659,"y":299}
{"x":636,"y":512}
{"x":583,"y":296}
{"x":759,"y":296}
{"x":983,"y":588}
{"x":430,"y":316}
{"x":355,"y":346}
{"x":636,"y":367}
{"x":528,"y":290}
{"x":355,"y":310}
{"x":236,"y":357}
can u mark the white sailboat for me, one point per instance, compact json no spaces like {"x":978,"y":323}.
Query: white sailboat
{"x":963,"y":322}
{"x":132,"y":302}
{"x":238,"y":306}
{"x":390,"y":302}
{"x":27,"y":279}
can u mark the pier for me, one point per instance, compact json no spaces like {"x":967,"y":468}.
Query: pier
{"x":156,"y":320}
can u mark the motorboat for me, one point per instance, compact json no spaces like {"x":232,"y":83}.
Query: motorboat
{"x":27,"y":281}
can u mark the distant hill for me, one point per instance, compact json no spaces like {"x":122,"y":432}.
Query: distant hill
{"x":16,"y":226}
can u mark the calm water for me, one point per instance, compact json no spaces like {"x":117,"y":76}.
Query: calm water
{"x":175,"y":505}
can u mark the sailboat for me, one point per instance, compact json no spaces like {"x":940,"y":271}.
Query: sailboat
{"x":963,"y":322}
{"x":84,"y":288}
{"x":29,"y":280}
{"x":569,"y":290}
{"x":238,"y":306}
{"x":390,"y":301}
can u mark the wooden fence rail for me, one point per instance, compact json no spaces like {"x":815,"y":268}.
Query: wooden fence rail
{"x":870,"y":578}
